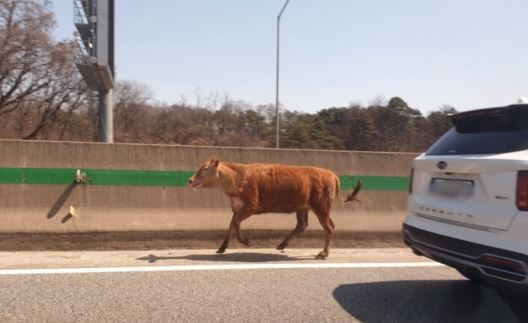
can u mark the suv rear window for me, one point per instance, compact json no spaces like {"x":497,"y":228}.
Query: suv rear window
{"x":487,"y":131}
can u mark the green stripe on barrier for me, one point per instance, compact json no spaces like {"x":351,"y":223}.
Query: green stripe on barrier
{"x":106,"y":177}
{"x":121,"y":177}
{"x":36,"y":176}
{"x":138,"y":177}
{"x":377,"y":183}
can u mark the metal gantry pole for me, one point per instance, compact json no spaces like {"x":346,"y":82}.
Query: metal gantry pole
{"x":277,"y":115}
{"x":105,"y":56}
{"x":94,"y":21}
{"x":106,"y":116}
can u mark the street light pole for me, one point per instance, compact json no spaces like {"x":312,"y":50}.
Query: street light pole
{"x":277,"y":77}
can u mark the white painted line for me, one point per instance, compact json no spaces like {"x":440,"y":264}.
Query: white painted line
{"x":141,"y":269}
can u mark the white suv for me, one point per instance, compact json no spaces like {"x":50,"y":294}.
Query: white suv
{"x":468,"y":202}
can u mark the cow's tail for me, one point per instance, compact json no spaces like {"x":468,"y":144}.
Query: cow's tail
{"x":350,"y":197}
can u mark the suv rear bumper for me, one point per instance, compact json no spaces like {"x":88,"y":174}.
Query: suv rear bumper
{"x":497,"y":266}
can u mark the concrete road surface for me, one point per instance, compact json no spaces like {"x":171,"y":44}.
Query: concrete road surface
{"x":250,"y":285}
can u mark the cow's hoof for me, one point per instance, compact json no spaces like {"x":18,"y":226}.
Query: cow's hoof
{"x":220,"y":250}
{"x":322,"y":255}
{"x":281,"y":246}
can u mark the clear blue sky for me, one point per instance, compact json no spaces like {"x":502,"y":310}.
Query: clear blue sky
{"x":465,"y":53}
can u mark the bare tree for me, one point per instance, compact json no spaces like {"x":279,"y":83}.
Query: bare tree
{"x":65,"y":91}
{"x":132,"y":111}
{"x":39,"y":82}
{"x":25,"y":50}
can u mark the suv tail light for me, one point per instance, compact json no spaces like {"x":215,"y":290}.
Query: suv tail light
{"x":522,"y":190}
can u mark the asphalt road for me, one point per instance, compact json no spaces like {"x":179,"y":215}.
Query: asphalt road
{"x":255,"y":285}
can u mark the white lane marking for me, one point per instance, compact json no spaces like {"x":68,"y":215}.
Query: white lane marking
{"x":141,"y":269}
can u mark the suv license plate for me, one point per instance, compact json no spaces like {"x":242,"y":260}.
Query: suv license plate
{"x":453,"y":188}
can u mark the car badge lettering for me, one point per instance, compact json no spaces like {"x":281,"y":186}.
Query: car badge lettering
{"x":441,"y":165}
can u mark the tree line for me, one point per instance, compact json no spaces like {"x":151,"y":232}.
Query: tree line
{"x":43,"y":97}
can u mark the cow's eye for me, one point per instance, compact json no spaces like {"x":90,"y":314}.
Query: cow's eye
{"x":205,"y":169}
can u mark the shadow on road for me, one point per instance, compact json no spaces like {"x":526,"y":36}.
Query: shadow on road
{"x":234,"y":257}
{"x":430,"y":301}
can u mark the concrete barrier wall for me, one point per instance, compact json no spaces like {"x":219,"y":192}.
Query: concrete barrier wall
{"x":142,"y":187}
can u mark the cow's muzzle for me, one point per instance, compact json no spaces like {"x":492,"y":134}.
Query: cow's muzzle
{"x":192,"y":184}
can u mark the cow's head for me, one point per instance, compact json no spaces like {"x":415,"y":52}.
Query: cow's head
{"x":206,"y":176}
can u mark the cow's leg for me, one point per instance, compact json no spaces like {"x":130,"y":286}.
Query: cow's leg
{"x":235,"y":226}
{"x":302,"y":223}
{"x":331,"y":223}
{"x":327,"y":224}
{"x":238,"y":218}
{"x":224,"y":244}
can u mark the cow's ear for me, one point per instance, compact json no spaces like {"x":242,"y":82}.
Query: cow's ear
{"x":215,"y":162}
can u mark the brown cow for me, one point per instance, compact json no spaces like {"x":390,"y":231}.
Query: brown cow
{"x":265,"y":188}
